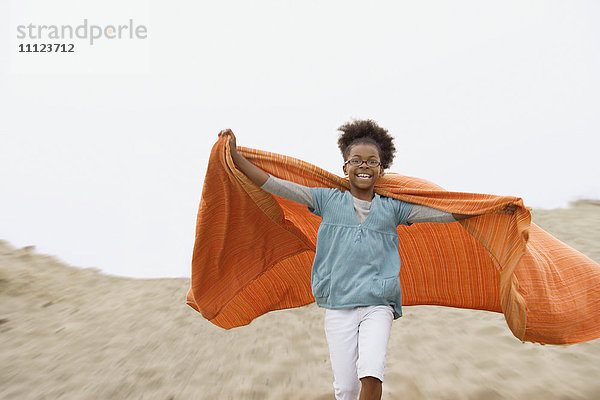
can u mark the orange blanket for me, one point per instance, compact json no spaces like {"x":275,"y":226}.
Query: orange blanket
{"x":253,"y":253}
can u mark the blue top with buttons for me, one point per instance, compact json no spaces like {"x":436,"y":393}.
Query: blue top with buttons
{"x":357,"y":264}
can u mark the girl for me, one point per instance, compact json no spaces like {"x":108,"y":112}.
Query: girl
{"x":355,"y":273}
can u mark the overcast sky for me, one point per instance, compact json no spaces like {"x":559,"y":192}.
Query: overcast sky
{"x":103,"y":151}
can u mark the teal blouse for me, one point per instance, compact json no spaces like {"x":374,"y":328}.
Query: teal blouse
{"x":357,"y":264}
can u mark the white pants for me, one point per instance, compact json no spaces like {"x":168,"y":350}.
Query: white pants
{"x":358,"y":339}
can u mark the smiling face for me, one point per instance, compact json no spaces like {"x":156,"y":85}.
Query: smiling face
{"x":362,"y":178}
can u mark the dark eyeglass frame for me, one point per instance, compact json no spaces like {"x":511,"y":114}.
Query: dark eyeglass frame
{"x":370,"y":163}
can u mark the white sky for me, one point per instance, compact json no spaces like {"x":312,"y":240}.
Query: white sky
{"x":103,"y":154}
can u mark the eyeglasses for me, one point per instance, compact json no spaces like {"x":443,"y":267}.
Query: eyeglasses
{"x":355,"y":162}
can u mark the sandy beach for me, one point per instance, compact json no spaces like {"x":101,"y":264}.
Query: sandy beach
{"x":75,"y":333}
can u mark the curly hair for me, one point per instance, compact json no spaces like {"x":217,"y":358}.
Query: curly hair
{"x":367,"y":131}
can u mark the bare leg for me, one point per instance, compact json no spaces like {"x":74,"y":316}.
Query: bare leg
{"x":371,"y":388}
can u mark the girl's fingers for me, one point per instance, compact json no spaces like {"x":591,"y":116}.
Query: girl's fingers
{"x":225,"y":132}
{"x":509,"y":209}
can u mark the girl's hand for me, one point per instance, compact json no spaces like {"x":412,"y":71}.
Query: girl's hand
{"x":229,"y":132}
{"x":509,"y":209}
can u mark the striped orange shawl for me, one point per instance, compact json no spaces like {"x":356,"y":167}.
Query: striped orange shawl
{"x":253,"y":253}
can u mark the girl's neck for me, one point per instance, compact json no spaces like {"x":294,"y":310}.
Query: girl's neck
{"x":362,"y":194}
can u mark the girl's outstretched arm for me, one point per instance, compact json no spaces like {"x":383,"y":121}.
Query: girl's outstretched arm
{"x":256,"y":175}
{"x":279,"y":187}
{"x":509,"y":209}
{"x":420,"y":213}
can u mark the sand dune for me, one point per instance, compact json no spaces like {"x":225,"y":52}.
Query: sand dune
{"x":72,"y":333}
